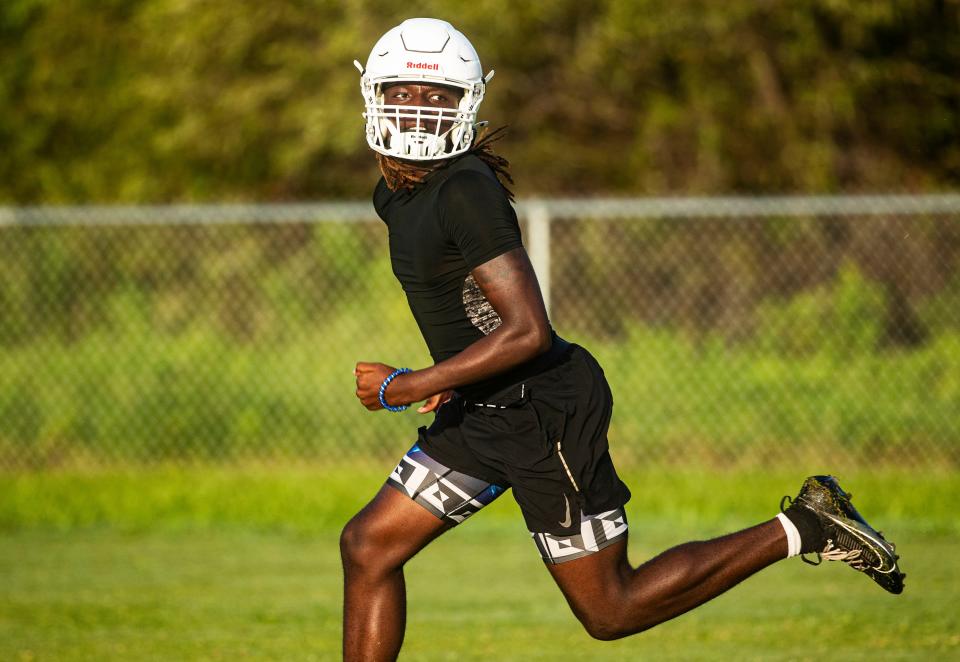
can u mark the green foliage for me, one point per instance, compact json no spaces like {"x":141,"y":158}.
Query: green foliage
{"x":245,"y":282}
{"x":157,"y":100}
{"x":938,"y":312}
{"x":814,"y":381}
{"x":133,"y":344}
{"x":843,"y":320}
{"x":732,"y":277}
{"x":681,"y":400}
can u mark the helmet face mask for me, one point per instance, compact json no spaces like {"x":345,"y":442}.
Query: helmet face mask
{"x":422,"y":51}
{"x":416,"y":131}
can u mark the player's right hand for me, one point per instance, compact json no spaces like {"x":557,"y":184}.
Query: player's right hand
{"x":369,"y":378}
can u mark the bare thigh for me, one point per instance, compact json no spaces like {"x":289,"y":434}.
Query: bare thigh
{"x":593,"y":582}
{"x":390,"y":530}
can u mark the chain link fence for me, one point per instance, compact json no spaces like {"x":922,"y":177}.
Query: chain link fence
{"x":734,"y":331}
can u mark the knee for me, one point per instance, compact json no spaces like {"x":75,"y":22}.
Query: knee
{"x":615,"y":623}
{"x":358,"y":550}
{"x":604,"y":628}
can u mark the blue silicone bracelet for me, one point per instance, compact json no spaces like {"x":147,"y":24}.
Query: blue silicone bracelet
{"x":383,"y":388}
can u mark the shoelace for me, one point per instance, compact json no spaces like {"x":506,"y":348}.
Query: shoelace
{"x":852,"y":557}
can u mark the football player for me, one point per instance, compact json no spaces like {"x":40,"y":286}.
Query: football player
{"x":515,"y":405}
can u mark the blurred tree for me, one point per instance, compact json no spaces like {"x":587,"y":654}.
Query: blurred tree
{"x":158,"y":100}
{"x":68,"y":115}
{"x":250,"y":99}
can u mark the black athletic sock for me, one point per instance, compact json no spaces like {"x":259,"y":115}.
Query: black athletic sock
{"x":807,"y":523}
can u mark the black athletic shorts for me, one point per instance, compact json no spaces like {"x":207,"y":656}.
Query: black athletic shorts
{"x":545,"y":437}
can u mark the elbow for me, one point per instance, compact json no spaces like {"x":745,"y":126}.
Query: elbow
{"x":545,"y":340}
{"x":525,"y":341}
{"x":537,"y":341}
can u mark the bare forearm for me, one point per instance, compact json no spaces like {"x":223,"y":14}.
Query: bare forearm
{"x":494,"y":354}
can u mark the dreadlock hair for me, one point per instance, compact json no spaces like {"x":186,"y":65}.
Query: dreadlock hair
{"x":407,"y":175}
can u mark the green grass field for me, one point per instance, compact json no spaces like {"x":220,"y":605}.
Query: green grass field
{"x":218,"y":564}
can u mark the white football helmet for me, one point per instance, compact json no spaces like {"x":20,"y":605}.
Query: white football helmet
{"x":425,"y":51}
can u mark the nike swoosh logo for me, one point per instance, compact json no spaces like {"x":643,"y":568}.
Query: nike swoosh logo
{"x":566,"y":520}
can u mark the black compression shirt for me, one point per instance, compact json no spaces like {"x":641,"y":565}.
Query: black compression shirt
{"x":458,"y":219}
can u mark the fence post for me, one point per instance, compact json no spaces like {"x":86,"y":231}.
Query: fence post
{"x":538,"y":246}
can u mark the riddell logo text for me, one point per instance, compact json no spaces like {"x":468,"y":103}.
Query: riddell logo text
{"x":423,"y":65}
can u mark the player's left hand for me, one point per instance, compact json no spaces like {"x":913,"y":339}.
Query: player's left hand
{"x":369,"y":377}
{"x":434,"y":402}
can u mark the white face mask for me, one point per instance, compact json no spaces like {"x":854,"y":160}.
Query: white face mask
{"x":417,"y":145}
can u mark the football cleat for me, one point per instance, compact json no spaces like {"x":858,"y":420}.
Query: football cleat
{"x":848,"y":536}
